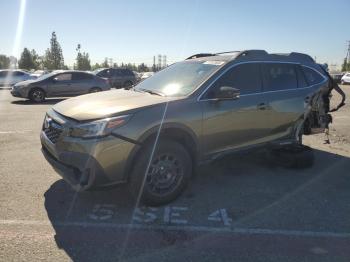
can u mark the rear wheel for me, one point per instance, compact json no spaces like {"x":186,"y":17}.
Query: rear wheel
{"x":293,"y":156}
{"x":161,"y":179}
{"x":95,"y":90}
{"x":37,"y":95}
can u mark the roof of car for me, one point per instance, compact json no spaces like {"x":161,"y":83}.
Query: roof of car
{"x":255,"y":55}
{"x":72,"y":71}
{"x":15,"y":70}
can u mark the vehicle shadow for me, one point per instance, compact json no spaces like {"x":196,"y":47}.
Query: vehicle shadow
{"x":91,"y":226}
{"x":51,"y":101}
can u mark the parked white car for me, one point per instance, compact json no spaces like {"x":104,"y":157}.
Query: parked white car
{"x":146,"y":75}
{"x":10,"y":77}
{"x":38,"y":73}
{"x":345,"y":79}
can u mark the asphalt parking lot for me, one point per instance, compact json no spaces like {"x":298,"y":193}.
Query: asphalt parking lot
{"x":241,"y":208}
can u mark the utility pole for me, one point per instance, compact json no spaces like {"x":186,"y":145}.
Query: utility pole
{"x":159,"y":62}
{"x":348,"y":53}
{"x":164,"y":61}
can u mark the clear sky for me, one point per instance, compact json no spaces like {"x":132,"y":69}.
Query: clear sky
{"x":134,"y":31}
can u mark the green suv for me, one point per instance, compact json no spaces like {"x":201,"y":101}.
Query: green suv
{"x":153,"y":136}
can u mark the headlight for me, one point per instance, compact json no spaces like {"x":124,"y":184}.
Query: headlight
{"x":98,"y":128}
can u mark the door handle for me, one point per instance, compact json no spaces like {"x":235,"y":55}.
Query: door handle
{"x":261,"y":106}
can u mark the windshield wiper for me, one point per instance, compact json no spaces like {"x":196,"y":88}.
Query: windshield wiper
{"x":152,"y":92}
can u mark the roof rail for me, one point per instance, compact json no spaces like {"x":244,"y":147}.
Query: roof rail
{"x":227,"y":52}
{"x":199,"y":55}
{"x":253,"y":53}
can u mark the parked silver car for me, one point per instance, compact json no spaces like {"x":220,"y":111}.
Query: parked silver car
{"x":10,"y":77}
{"x":62,"y":83}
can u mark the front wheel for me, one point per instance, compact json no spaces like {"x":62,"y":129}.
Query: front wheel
{"x":37,"y":95}
{"x":161,"y":179}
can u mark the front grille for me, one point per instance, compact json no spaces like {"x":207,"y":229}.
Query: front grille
{"x":53,"y":131}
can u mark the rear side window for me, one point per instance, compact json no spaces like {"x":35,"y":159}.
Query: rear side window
{"x":245,"y":77}
{"x":63,"y":77}
{"x":117,"y":72}
{"x":301,"y":78}
{"x":82,"y":76}
{"x":128,"y":72}
{"x":279,"y":76}
{"x":312,"y":77}
{"x":17,"y":73}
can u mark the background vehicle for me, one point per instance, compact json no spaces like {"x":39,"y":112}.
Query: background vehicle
{"x":11,"y":77}
{"x":117,"y":77}
{"x":63,"y":83}
{"x":194,"y":111}
{"x":345,"y":79}
{"x":146,"y":75}
{"x":38,"y":73}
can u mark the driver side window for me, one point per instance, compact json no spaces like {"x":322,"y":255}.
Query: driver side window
{"x":245,"y":77}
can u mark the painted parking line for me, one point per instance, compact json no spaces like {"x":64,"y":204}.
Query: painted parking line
{"x":15,"y":132}
{"x":243,"y":231}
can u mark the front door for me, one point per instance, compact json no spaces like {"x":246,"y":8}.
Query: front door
{"x":229,"y":124}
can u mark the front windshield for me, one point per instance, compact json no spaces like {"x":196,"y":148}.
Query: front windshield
{"x":95,"y":72}
{"x":45,"y":76}
{"x":179,"y":79}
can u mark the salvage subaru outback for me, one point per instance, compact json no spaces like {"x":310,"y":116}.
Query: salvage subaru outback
{"x":152,"y":136}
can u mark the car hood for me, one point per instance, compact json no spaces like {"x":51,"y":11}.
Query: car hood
{"x":25,"y":83}
{"x":108,"y":103}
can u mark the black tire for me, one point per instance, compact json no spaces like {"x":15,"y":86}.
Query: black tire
{"x":167,"y":176}
{"x":295,"y":156}
{"x":128,"y":84}
{"x":95,"y":90}
{"x":37,"y":95}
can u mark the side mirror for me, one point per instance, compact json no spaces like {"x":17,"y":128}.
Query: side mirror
{"x":227,"y":93}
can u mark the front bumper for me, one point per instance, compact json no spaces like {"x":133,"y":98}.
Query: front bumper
{"x":15,"y":93}
{"x":88,"y":163}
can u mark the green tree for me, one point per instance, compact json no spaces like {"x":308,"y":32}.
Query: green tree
{"x":53,"y":58}
{"x":4,"y":62}
{"x":82,"y":60}
{"x":37,"y":60}
{"x":345,"y":65}
{"x":142,"y":68}
{"x":26,"y":60}
{"x":105,"y":63}
{"x":96,"y":66}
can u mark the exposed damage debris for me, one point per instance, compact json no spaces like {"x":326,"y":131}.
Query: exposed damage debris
{"x":319,"y":118}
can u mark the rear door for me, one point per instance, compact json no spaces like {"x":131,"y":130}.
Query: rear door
{"x":61,"y":85}
{"x":286,"y":92}
{"x":81,"y":83}
{"x":229,"y":124}
{"x":118,"y":77}
{"x":3,"y":75}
